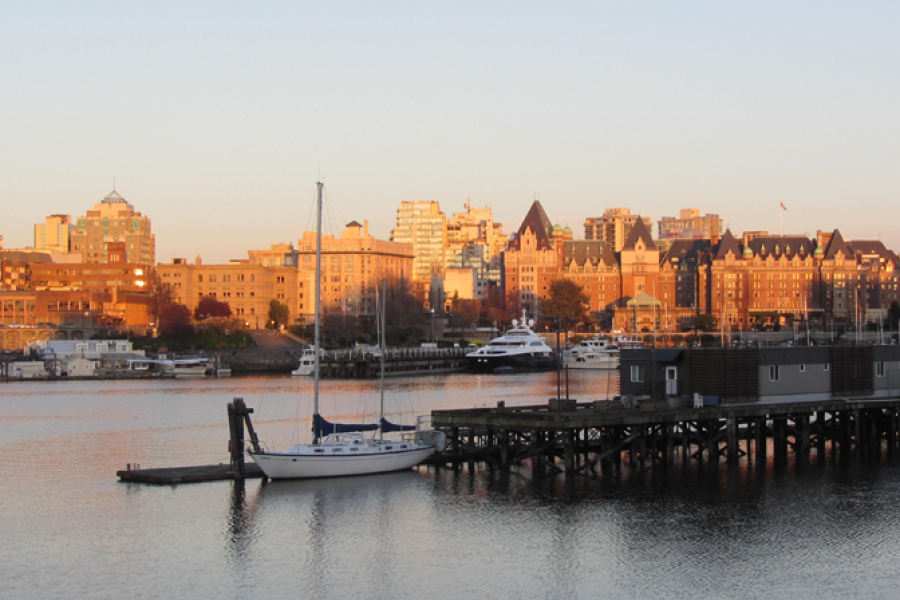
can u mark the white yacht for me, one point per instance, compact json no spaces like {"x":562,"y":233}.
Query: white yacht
{"x":191,"y":367}
{"x":307,"y":363}
{"x":593,"y":353}
{"x":520,"y":349}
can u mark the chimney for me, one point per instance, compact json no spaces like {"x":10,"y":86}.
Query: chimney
{"x":366,"y":228}
{"x":199,"y":261}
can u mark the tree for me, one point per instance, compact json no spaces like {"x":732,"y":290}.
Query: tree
{"x":278,"y":312}
{"x":210,"y":307}
{"x":468,"y":311}
{"x":566,"y":303}
{"x":893,"y":315}
{"x":175,"y":319}
{"x":492,"y":310}
{"x":161,"y":296}
{"x":706,"y":322}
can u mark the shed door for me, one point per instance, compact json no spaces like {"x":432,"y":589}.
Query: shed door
{"x":672,"y":381}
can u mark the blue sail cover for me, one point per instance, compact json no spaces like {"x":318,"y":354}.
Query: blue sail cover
{"x":321,"y":427}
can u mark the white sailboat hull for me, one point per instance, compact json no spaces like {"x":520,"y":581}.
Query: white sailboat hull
{"x":299,"y":466}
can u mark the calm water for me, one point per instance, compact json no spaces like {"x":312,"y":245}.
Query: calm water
{"x":70,"y":530}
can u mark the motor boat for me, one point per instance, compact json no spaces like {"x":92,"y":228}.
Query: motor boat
{"x":520,"y":349}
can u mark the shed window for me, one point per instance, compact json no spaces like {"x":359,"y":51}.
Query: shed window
{"x":637,"y":374}
{"x":803,"y":368}
{"x":773,"y":373}
{"x":879,"y":369}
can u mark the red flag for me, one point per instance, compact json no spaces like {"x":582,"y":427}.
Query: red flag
{"x":783,"y":206}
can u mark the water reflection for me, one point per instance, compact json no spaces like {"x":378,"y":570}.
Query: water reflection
{"x":755,"y":529}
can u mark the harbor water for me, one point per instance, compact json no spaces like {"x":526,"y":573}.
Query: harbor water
{"x":71,"y":530}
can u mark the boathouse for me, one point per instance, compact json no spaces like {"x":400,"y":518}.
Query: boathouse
{"x":767,"y":375}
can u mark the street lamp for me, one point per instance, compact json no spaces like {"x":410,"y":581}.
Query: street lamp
{"x":432,"y":325}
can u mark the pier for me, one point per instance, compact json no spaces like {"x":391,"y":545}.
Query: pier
{"x":566,"y":436}
{"x":360,"y":364}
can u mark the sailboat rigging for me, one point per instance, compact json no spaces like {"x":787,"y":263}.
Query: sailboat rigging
{"x":339,"y":450}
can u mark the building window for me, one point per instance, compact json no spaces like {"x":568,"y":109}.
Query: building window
{"x":825,"y":367}
{"x":879,"y":368}
{"x":637,"y":374}
{"x":803,"y":368}
{"x":773,"y":373}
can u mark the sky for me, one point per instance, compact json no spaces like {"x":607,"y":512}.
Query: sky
{"x":215,"y":119}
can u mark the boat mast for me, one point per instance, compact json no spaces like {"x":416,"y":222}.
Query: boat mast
{"x":318,"y":286}
{"x":381,"y":327}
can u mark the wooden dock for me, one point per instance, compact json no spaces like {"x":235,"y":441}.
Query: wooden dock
{"x":239,"y":423}
{"x":572,"y":437}
{"x":176,"y":475}
{"x":356,"y":364}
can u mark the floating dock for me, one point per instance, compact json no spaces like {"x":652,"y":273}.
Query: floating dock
{"x":176,"y":475}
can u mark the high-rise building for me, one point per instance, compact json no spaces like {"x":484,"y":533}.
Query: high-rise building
{"x":423,"y":225}
{"x":54,"y":234}
{"x":475,"y":233}
{"x":114,"y":230}
{"x":690,"y":225}
{"x":613,"y":227}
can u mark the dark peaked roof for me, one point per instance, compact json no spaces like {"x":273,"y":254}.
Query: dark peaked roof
{"x":353,"y":224}
{"x":837,"y":243}
{"x":728,"y":244}
{"x":872,"y":247}
{"x":781,"y":246}
{"x":539,"y":223}
{"x":581,"y":251}
{"x":686,"y":251}
{"x":639,"y":232}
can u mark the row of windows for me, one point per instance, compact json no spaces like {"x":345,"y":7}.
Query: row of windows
{"x":775,"y":370}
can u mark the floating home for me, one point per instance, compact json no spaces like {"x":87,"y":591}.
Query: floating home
{"x":767,"y":375}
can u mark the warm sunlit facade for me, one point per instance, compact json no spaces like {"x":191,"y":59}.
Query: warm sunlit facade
{"x":762,"y":280}
{"x":353,"y":266}
{"x":113,"y":221}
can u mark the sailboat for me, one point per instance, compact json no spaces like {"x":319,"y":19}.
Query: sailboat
{"x":339,"y":450}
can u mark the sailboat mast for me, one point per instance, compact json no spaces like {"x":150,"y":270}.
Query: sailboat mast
{"x":318,"y":287}
{"x":382,"y":323}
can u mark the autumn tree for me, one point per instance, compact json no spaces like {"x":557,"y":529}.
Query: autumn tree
{"x":175,"y":319}
{"x":405,"y":315}
{"x":492,"y":309}
{"x":278,"y":312}
{"x":706,"y":322}
{"x":161,"y":296}
{"x":893,"y":315}
{"x":210,"y":307}
{"x":566,"y":304}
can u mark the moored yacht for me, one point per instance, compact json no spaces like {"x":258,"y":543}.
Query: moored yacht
{"x":593,"y":353}
{"x":307,"y":363}
{"x":519,"y":349}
